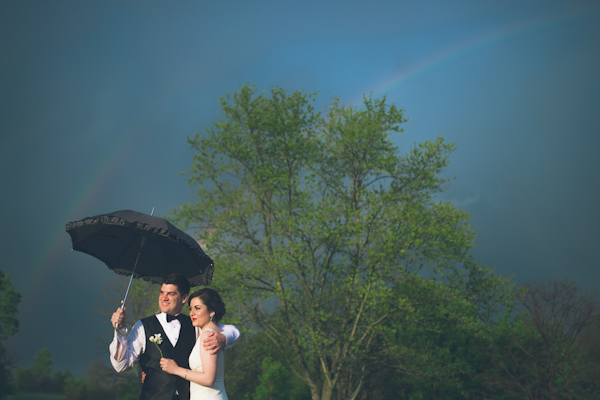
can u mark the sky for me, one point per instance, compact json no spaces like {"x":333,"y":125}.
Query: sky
{"x":97,"y":100}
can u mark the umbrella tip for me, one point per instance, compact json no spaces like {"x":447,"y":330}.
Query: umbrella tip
{"x":152,"y":213}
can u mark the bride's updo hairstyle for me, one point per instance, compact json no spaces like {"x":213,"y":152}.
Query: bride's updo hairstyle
{"x":211,"y":299}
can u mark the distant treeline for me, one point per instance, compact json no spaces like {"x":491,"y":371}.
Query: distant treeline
{"x":547,"y":348}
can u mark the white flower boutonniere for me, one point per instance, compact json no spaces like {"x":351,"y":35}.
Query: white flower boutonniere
{"x":157,"y":339}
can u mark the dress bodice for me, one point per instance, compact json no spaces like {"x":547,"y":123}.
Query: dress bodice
{"x":217,"y":390}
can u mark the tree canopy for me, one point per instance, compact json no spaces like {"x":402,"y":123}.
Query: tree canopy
{"x":9,"y":325}
{"x":324,"y":235}
{"x":9,"y":300}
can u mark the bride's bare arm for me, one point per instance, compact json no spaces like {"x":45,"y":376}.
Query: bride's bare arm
{"x":206,"y":377}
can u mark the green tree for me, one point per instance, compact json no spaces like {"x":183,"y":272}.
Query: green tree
{"x":102,"y":382}
{"x":590,"y":343}
{"x":9,"y":325}
{"x":6,"y":374}
{"x":42,"y":363}
{"x":273,"y":382}
{"x":142,"y":299}
{"x":244,"y":371}
{"x":38,"y":376}
{"x":315,"y":220}
{"x":545,"y":351}
{"x":434,"y":352}
{"x":9,"y":300}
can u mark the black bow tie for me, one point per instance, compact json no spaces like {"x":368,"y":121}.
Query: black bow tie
{"x":171,"y":318}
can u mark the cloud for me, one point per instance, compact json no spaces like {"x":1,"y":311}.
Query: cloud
{"x":466,"y":201}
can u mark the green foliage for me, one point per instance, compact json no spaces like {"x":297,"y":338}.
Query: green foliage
{"x":316,"y":222}
{"x":9,"y":300}
{"x":42,"y":363}
{"x":244,"y":370}
{"x":9,"y":325}
{"x":242,"y":364}
{"x":75,"y":389}
{"x":435,"y":350}
{"x":546,"y":350}
{"x":142,"y":299}
{"x":273,"y":382}
{"x":24,"y":395}
{"x":100,"y":381}
{"x":590,"y":347}
{"x":7,"y":385}
{"x":95,"y":388}
{"x":38,"y":376}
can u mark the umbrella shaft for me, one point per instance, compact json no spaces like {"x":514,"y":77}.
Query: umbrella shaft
{"x":133,"y":271}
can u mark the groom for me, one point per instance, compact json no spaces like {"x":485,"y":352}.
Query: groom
{"x":178,"y":338}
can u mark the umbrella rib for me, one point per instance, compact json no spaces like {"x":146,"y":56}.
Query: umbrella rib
{"x":164,"y":255}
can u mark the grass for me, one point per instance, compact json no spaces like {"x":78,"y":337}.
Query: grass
{"x":26,"y":395}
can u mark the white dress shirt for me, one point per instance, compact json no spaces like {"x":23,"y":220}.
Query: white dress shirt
{"x":134,"y":344}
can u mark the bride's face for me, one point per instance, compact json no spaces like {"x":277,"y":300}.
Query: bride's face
{"x":199,"y":313}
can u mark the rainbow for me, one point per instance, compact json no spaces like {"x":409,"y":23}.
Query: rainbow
{"x":90,"y":189}
{"x":472,"y":45}
{"x":57,"y":243}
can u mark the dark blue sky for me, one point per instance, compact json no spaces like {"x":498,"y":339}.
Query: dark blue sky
{"x":97,"y":99}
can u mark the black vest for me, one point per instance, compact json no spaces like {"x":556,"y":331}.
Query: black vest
{"x":159,"y":385}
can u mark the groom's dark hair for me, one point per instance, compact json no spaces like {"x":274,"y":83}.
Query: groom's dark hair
{"x":183,"y":285}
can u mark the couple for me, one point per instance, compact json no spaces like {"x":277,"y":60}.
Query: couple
{"x":168,"y":344}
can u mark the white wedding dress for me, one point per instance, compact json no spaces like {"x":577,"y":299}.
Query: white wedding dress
{"x":217,"y":390}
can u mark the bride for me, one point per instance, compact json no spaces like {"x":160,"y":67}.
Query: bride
{"x":207,"y":370}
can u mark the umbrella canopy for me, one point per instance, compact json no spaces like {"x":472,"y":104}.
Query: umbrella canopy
{"x":127,"y":239}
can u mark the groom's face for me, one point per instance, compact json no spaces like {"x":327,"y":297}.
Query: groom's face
{"x":170,"y":301}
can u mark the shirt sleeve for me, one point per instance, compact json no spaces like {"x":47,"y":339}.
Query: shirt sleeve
{"x":232,"y":334}
{"x":132,"y":346}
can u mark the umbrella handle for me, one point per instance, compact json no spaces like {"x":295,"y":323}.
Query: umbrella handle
{"x":119,"y":331}
{"x":116,"y":326}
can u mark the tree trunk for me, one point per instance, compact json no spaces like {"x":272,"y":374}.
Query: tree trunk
{"x":326,"y":391}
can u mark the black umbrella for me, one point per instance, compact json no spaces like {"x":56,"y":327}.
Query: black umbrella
{"x":141,"y":245}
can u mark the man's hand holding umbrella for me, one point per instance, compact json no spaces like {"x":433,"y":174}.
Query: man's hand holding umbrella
{"x":119,"y":322}
{"x":119,"y":319}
